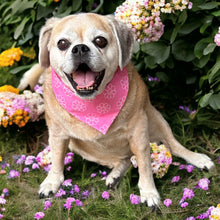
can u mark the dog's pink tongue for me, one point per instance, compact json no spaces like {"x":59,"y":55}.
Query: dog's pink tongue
{"x":84,"y":79}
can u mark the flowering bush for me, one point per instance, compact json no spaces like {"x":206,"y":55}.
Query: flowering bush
{"x":19,"y":108}
{"x":160,"y":160}
{"x":143,"y":16}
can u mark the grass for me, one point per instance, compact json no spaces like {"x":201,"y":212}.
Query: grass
{"x":23,"y":201}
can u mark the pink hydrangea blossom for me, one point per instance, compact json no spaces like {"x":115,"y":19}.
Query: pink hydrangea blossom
{"x":217,"y":37}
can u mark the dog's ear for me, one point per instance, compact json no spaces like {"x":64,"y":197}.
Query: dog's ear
{"x":125,"y":40}
{"x":44,"y":39}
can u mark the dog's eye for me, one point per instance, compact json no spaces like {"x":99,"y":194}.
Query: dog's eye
{"x":63,"y":44}
{"x":100,"y":42}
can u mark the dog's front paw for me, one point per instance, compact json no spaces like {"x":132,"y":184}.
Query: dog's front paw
{"x":50,"y":185}
{"x":113,"y":180}
{"x":202,"y":161}
{"x":150,"y":198}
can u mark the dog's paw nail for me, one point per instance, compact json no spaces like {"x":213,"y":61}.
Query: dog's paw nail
{"x":114,"y":184}
{"x":41,"y":196}
{"x":50,"y":194}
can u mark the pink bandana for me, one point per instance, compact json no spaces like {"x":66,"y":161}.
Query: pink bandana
{"x":99,"y":112}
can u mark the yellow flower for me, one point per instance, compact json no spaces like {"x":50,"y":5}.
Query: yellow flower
{"x":8,"y":57}
{"x":0,"y":158}
{"x":20,"y":118}
{"x":8,"y":88}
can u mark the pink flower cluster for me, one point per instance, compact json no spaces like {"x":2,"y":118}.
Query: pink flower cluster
{"x":217,"y":38}
{"x":5,"y":193}
{"x":143,"y":16}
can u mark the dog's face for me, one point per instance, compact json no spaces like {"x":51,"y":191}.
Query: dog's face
{"x":85,"y":50}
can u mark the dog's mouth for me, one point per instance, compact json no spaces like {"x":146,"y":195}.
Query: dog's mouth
{"x":84,"y":80}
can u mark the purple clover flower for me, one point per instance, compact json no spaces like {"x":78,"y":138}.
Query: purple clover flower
{"x":2,"y":200}
{"x":184,"y":204}
{"x":105,"y":195}
{"x":79,"y":203}
{"x":182,"y":166}
{"x":26,"y":170}
{"x":68,"y":204}
{"x":47,"y":205}
{"x":67,"y":182}
{"x":13,"y":174}
{"x":68,"y":158}
{"x":35,"y":166}
{"x":188,"y":193}
{"x":76,"y":189}
{"x":135,"y":199}
{"x":189,"y":168}
{"x":60,"y":193}
{"x":203,"y":183}
{"x":167,"y":202}
{"x":93,"y":175}
{"x":29,"y":160}
{"x":39,"y":215}
{"x":175,"y":179}
{"x":5,"y":191}
{"x":21,"y":159}
{"x":85,"y":194}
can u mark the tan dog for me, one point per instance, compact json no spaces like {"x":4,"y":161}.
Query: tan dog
{"x":90,"y":43}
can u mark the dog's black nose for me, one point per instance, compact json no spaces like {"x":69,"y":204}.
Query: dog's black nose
{"x":80,"y":50}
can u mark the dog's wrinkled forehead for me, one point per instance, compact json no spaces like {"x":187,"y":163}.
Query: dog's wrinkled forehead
{"x":82,"y":27}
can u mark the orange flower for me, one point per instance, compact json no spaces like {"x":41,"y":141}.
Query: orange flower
{"x":8,"y":57}
{"x":8,"y":88}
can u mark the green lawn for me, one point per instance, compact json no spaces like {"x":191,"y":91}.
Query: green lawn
{"x":23,"y":201}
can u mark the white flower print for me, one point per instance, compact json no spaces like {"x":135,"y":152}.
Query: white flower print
{"x":78,"y":106}
{"x":91,"y":119}
{"x":110,"y":91}
{"x":103,"y":108}
{"x":121,"y":101}
{"x":61,"y":100}
{"x":124,"y":83}
{"x":67,"y":92}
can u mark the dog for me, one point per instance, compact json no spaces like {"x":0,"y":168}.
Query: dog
{"x":88,"y":56}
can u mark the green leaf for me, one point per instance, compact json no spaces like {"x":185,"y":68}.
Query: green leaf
{"x":150,"y":62}
{"x":216,"y":13}
{"x":214,"y":70}
{"x":209,"y":49}
{"x":202,"y":61}
{"x":207,"y":21}
{"x":183,"y":50}
{"x":204,"y":101}
{"x":214,"y":101}
{"x":174,"y":33}
{"x":76,"y":5}
{"x":190,"y":26}
{"x":200,"y":46}
{"x":158,"y":50}
{"x":20,"y":68}
{"x":20,"y":28}
{"x":208,"y":6}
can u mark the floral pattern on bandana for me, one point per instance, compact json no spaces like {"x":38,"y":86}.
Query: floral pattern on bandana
{"x":99,"y":112}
